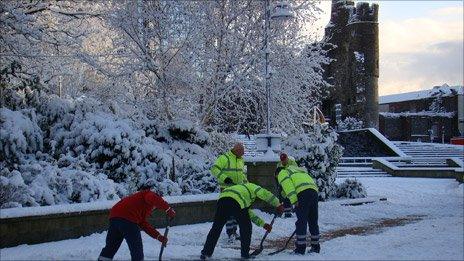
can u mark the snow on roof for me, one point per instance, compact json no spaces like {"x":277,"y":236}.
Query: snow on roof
{"x":423,"y":94}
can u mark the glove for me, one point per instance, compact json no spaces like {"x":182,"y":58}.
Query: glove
{"x":170,"y":212}
{"x":267,"y":227}
{"x":280,"y":209}
{"x":162,"y":239}
{"x":228,"y":181}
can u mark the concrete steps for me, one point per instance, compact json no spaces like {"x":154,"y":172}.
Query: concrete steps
{"x":430,"y":150}
{"x":360,"y":172}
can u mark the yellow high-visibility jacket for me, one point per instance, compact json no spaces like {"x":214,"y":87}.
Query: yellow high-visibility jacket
{"x":228,"y":165}
{"x":245,"y":194}
{"x":294,"y":180}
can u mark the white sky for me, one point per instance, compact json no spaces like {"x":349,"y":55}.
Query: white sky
{"x":421,"y":44}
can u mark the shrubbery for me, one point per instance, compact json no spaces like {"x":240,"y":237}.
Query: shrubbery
{"x":318,"y":152}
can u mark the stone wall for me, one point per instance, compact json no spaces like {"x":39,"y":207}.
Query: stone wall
{"x":354,"y":72}
{"x":362,"y":143}
{"x":52,"y":227}
{"x":262,"y":173}
{"x":418,"y":172}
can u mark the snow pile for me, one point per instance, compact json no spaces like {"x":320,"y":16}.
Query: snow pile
{"x":37,"y":181}
{"x":351,"y":188}
{"x":72,"y":151}
{"x":318,"y":152}
{"x":19,"y":134}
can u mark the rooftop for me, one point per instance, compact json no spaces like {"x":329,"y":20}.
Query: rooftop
{"x":445,"y":89}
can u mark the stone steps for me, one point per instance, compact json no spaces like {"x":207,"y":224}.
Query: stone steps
{"x":359,"y":172}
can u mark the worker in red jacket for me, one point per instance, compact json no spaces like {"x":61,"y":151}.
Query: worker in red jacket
{"x":128,"y":217}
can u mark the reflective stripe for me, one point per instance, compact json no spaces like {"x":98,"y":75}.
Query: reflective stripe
{"x":231,"y":169}
{"x":220,"y":174}
{"x":301,"y":236}
{"x":255,"y":219}
{"x":271,"y":199}
{"x":315,"y":237}
{"x":238,"y":194}
{"x":249,"y":193}
{"x":303,"y":184}
{"x":291,"y":194}
{"x":287,"y":177}
{"x":290,"y":173}
{"x":300,"y":242}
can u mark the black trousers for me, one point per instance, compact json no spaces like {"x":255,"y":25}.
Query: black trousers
{"x":227,"y":207}
{"x":307,"y":216}
{"x":122,"y":229}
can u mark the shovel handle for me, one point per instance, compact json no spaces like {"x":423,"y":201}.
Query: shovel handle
{"x":166,"y":231}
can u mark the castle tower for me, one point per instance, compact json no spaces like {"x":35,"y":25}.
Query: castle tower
{"x":353,"y":30}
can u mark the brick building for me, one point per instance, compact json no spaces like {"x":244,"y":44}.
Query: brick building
{"x":429,"y":115}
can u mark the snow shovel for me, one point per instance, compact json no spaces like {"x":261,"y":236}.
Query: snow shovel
{"x":260,"y":249}
{"x":165,"y":235}
{"x":286,"y":244}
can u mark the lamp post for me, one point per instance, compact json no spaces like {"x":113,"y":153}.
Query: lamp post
{"x":280,"y":11}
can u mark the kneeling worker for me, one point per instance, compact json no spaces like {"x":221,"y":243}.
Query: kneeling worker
{"x":235,"y":201}
{"x":302,"y":191}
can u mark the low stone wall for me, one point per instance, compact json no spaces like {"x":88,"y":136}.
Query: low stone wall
{"x":262,"y":173}
{"x":52,"y":227}
{"x":417,"y":173}
{"x":45,"y":228}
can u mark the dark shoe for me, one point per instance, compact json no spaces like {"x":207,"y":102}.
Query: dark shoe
{"x":247,"y":257}
{"x":315,"y":248}
{"x":288,"y":215}
{"x":204,"y":257}
{"x":299,"y":251}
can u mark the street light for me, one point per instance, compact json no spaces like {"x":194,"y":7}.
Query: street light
{"x":280,"y":11}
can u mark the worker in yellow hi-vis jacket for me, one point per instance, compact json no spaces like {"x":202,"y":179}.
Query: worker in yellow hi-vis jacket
{"x":236,"y":201}
{"x":302,"y":191}
{"x":229,"y":170}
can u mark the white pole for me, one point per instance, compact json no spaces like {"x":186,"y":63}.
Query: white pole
{"x":59,"y":87}
{"x":266,"y":57}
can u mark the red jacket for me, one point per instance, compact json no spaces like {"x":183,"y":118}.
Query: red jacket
{"x":137,"y":207}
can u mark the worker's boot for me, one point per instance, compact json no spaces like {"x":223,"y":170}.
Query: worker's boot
{"x":315,"y":248}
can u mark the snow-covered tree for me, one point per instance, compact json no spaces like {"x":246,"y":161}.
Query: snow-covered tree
{"x":318,"y":152}
{"x":39,"y":40}
{"x":351,"y":188}
{"x":349,"y":123}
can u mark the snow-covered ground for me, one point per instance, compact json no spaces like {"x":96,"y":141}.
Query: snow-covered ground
{"x":434,"y":206}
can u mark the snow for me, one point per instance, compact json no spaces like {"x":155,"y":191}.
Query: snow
{"x":438,"y":235}
{"x":420,"y":113}
{"x":359,"y":57}
{"x":99,"y":205}
{"x":424,"y":94}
